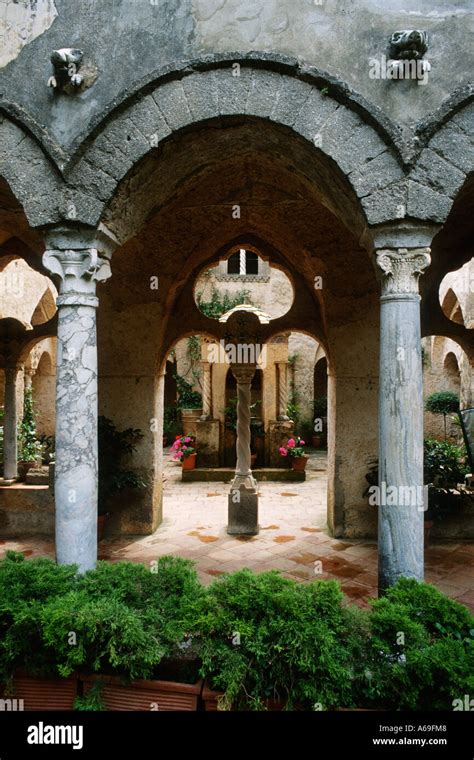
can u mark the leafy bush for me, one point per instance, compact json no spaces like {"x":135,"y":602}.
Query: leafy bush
{"x":263,"y":637}
{"x":442,"y":402}
{"x":187,"y":397}
{"x":219,"y":304}
{"x":444,"y":463}
{"x":29,"y":448}
{"x":113,"y":446}
{"x":25,"y":586}
{"x":422,"y":649}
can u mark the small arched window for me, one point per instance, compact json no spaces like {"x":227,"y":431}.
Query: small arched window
{"x":242,"y":263}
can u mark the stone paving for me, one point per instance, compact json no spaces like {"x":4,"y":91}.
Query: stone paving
{"x":293,"y":537}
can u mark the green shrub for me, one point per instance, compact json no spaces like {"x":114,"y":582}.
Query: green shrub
{"x":25,"y":586}
{"x":263,"y":637}
{"x":422,"y":648}
{"x":444,"y":463}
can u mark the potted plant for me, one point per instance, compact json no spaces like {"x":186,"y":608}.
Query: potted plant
{"x":442,"y":402}
{"x":444,"y":470}
{"x":184,"y":451}
{"x":319,"y":438}
{"x":113,"y":447}
{"x":29,"y":448}
{"x":295,"y":452}
{"x":189,"y":402}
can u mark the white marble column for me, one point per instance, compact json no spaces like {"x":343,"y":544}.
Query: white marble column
{"x":400,"y":415}
{"x":76,"y":472}
{"x":282,"y":391}
{"x":243,"y":473}
{"x":206,"y":392}
{"x":10,"y":424}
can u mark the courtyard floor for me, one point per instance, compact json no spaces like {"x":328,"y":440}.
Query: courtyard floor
{"x":293,"y":538}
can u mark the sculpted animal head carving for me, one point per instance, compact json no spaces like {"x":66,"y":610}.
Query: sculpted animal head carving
{"x":408,"y":45}
{"x":66,"y":63}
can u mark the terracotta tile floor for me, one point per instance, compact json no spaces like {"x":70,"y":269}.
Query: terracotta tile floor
{"x":293,"y":539}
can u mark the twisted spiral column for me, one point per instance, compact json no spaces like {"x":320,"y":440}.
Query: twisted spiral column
{"x":282,"y":391}
{"x":243,"y":474}
{"x":206,"y":392}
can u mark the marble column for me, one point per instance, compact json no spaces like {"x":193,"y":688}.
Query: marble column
{"x":79,"y":263}
{"x":401,"y":508}
{"x":10,"y":424}
{"x":206,"y":392}
{"x":282,"y":391}
{"x":243,"y":497}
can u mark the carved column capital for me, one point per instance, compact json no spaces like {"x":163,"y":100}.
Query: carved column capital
{"x":243,"y":373}
{"x":79,"y":271}
{"x":400,"y":268}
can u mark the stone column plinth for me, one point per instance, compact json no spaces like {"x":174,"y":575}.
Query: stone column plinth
{"x":401,"y":510}
{"x":206,"y":392}
{"x":243,"y":497}
{"x":282,"y":391}
{"x":79,"y":267}
{"x":10,"y":421}
{"x":277,"y":436}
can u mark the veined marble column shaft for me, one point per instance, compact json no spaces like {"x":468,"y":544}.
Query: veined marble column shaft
{"x":10,"y":422}
{"x":243,"y":473}
{"x":76,"y":467}
{"x":400,"y":415}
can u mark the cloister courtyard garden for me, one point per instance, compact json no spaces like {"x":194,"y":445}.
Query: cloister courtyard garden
{"x":236,"y":387}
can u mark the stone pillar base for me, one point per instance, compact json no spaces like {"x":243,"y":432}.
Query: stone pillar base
{"x":243,"y":515}
{"x":278,"y":434}
{"x":207,"y":442}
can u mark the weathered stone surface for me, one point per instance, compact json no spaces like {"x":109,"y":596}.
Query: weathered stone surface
{"x":290,"y":101}
{"x":313,"y":115}
{"x":387,"y":203}
{"x":438,"y":174}
{"x":263,"y":93}
{"x":375,"y":174}
{"x":172,"y":102}
{"x":454,"y":146}
{"x":148,"y":118}
{"x":201,"y":94}
{"x":425,"y":203}
{"x":232,"y":91}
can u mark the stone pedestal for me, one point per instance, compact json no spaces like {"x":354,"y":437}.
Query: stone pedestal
{"x":242,"y":512}
{"x":278,"y":433}
{"x":207,"y":443}
{"x":401,"y":416}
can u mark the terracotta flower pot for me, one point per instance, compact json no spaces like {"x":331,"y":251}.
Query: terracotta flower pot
{"x":145,"y":695}
{"x":189,"y":463}
{"x":299,"y":463}
{"x":317,"y":441}
{"x":44,"y":694}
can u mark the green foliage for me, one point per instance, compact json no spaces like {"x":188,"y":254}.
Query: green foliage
{"x":187,"y":397}
{"x":444,"y":463}
{"x":92,"y":700}
{"x":321,"y":406}
{"x":263,"y":637}
{"x":29,"y":448}
{"x":219,"y":303}
{"x":48,"y":444}
{"x":230,"y":412}
{"x":194,"y":348}
{"x":422,"y":648}
{"x":442,"y":402}
{"x":170,"y":419}
{"x":25,"y":587}
{"x":114,"y":446}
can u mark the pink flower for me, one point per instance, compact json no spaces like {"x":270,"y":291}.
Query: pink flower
{"x":187,"y":439}
{"x":291,"y":443}
{"x":301,"y":443}
{"x":283,"y":452}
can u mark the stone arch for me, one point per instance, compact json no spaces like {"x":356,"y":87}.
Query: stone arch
{"x":346,"y":134}
{"x":30,"y":174}
{"x":452,"y":308}
{"x":446,"y":161}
